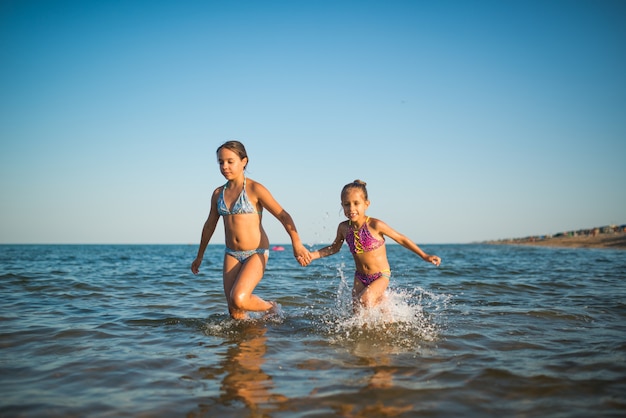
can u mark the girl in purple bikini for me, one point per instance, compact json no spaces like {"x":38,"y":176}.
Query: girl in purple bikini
{"x":365,"y":238}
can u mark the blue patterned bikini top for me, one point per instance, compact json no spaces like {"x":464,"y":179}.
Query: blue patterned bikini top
{"x":241,"y":206}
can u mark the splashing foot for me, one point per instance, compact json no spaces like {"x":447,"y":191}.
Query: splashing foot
{"x":275,"y":312}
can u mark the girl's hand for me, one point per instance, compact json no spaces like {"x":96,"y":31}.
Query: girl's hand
{"x":302,"y":255}
{"x":302,"y":261}
{"x":433,"y":259}
{"x":195,"y":266}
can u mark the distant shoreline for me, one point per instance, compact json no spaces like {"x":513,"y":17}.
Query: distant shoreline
{"x":615,"y":240}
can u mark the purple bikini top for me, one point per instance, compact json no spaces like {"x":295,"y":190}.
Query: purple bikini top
{"x":361,"y":240}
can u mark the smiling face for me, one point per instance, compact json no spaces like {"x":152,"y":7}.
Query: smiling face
{"x":231,"y":164}
{"x":354,"y":204}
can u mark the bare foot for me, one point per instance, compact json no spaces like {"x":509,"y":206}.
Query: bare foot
{"x":274,"y":311}
{"x":238,"y":314}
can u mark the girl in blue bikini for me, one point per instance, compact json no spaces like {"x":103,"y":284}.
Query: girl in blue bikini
{"x":365,"y":238}
{"x":241,"y":202}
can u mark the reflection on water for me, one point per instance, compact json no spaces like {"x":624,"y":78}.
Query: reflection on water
{"x":362,"y":345}
{"x":245,"y":379}
{"x":381,"y":379}
{"x":244,"y":383}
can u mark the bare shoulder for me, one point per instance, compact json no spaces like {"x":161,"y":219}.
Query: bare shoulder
{"x":380,"y":227}
{"x":215,"y":197}
{"x":255,"y":187}
{"x":342,"y":228}
{"x":217,"y":192}
{"x":376,"y":223}
{"x":259,"y":194}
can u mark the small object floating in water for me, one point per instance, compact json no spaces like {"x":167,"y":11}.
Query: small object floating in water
{"x":278,"y":248}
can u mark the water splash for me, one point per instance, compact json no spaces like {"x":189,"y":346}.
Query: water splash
{"x":222,"y":325}
{"x":405,"y":318}
{"x":400,"y":320}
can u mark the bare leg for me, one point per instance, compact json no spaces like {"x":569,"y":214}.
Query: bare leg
{"x":230,"y":273}
{"x":240,"y":280}
{"x":371,"y":295}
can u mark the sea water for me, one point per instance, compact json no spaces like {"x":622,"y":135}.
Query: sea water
{"x":113,"y":330}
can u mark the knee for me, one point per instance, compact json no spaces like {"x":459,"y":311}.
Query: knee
{"x":238,"y":299}
{"x":369,"y":299}
{"x":366,"y":301}
{"x":361,"y":299}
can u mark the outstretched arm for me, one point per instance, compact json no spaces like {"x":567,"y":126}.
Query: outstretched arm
{"x":403,"y":240}
{"x":332,"y":248}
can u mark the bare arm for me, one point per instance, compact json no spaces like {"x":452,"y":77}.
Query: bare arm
{"x":403,"y":240}
{"x":207,"y":232}
{"x":332,"y":248}
{"x":268,"y":202}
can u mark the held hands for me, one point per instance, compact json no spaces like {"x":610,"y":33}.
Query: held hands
{"x":302,"y":255}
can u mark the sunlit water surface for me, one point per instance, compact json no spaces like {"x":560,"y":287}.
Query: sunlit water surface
{"x":109,"y":331}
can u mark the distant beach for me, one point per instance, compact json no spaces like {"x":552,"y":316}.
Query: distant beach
{"x":601,"y":237}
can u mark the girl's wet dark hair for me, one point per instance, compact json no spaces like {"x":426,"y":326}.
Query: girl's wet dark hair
{"x":356,"y":184}
{"x":236,"y":147}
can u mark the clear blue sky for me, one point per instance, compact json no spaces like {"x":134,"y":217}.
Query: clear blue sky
{"x":469,"y":120}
